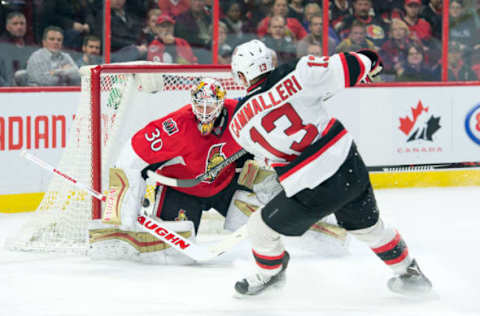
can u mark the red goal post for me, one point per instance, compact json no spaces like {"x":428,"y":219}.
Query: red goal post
{"x":113,"y":105}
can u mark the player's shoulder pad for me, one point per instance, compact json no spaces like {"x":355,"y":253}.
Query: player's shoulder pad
{"x":160,"y":132}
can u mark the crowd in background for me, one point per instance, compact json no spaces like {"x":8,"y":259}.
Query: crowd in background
{"x":44,"y":42}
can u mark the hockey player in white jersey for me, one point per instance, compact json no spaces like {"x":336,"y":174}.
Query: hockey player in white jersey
{"x":282,"y":121}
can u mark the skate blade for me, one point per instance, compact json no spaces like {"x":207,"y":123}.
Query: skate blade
{"x":267,"y":291}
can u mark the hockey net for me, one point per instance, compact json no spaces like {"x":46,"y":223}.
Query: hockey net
{"x":112,"y":107}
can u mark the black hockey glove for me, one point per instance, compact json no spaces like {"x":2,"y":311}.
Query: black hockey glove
{"x":377,"y":65}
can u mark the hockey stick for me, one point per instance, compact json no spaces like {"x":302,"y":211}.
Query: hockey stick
{"x":52,"y":169}
{"x":425,"y":167}
{"x":155,"y":227}
{"x":187,"y":183}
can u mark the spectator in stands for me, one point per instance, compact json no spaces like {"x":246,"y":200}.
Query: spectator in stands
{"x":256,"y":11}
{"x":362,"y":11}
{"x":296,"y":9}
{"x":293,"y":26}
{"x":418,"y":27}
{"x":315,"y":50}
{"x":166,"y":47}
{"x":414,"y":69}
{"x":24,"y":6}
{"x":395,"y":49}
{"x":462,"y":27}
{"x":432,"y":13}
{"x":277,"y":40}
{"x":356,"y":40}
{"x":75,"y":17}
{"x":388,"y":10}
{"x":148,"y":34}
{"x":339,"y":10}
{"x":234,"y":22}
{"x":138,"y":8}
{"x":476,"y":65}
{"x":91,"y":52}
{"x":225,"y":44}
{"x":458,"y":68}
{"x":125,"y":32}
{"x":315,"y":37}
{"x":474,"y":10}
{"x":174,"y":7}
{"x":312,"y":9}
{"x":15,"y":48}
{"x":49,"y":66}
{"x":15,"y":30}
{"x":194,"y":26}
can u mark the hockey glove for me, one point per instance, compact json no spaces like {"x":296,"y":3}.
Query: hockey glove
{"x":377,"y":65}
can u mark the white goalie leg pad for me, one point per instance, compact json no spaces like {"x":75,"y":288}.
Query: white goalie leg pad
{"x":265,"y":241}
{"x":242,"y":205}
{"x":376,"y":235}
{"x":112,"y":243}
{"x":380,"y":235}
{"x":324,"y":238}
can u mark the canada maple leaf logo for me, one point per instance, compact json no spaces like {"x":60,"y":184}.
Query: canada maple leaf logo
{"x":420,"y":125}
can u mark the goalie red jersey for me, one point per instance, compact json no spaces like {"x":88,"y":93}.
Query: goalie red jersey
{"x":176,"y":136}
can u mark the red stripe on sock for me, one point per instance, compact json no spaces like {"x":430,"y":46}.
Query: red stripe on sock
{"x":266,"y":267}
{"x":256,"y":254}
{"x":388,"y":246}
{"x":399,"y":259}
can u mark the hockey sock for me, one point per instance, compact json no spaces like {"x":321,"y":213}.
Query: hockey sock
{"x":269,"y":264}
{"x":387,"y":244}
{"x":394,"y":254}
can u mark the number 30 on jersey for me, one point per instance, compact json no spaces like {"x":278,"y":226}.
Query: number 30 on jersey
{"x":154,"y":140}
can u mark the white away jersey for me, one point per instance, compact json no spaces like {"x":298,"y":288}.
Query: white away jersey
{"x":283,"y":120}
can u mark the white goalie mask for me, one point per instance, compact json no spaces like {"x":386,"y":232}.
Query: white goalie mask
{"x":252,"y":59}
{"x":207,"y":103}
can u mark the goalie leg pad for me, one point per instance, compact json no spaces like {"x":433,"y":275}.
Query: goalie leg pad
{"x":324,"y":238}
{"x":242,"y":205}
{"x":107,"y":242}
{"x":118,"y":187}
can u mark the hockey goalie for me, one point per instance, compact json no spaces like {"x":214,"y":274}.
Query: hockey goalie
{"x":185,"y":144}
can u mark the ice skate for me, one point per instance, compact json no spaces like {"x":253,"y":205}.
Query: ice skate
{"x":256,"y":283}
{"x":412,"y":282}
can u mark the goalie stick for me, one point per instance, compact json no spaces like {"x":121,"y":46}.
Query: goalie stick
{"x":155,"y":227}
{"x":187,"y":183}
{"x":425,"y":167}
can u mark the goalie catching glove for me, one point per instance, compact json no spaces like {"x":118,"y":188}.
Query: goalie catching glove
{"x":377,"y":65}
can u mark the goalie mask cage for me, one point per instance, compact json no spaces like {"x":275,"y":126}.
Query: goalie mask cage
{"x":112,"y":107}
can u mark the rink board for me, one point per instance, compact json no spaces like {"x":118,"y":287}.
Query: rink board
{"x":16,"y":203}
{"x":445,"y":121}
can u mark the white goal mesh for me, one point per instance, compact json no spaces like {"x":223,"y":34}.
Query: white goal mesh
{"x":112,"y":107}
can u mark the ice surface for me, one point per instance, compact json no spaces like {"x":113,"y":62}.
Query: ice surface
{"x":439,"y":225}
